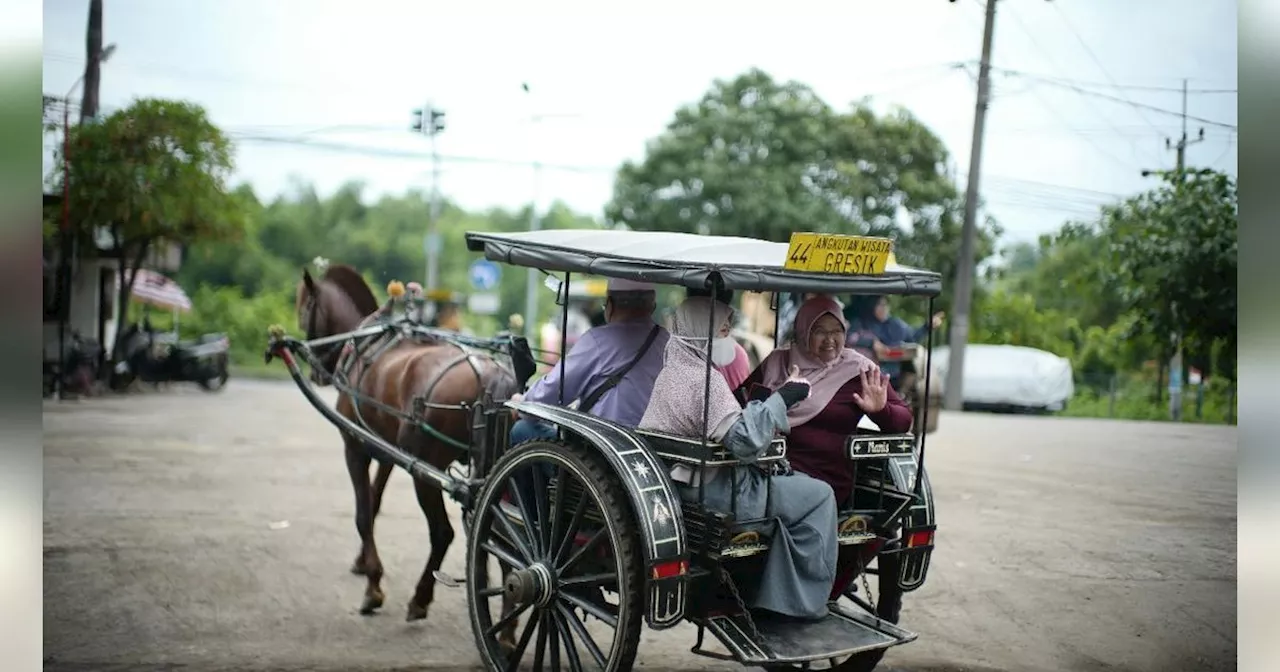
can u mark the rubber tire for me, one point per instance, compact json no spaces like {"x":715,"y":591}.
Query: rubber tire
{"x":119,"y":382}
{"x":594,"y":472}
{"x":221,"y":379}
{"x":888,"y":607}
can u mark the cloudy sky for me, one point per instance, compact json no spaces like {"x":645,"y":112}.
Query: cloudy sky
{"x":1086,"y":91}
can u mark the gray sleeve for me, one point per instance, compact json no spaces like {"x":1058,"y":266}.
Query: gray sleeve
{"x":754,"y":430}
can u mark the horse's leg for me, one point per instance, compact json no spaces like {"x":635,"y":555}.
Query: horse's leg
{"x":367,"y":562}
{"x":380,"y":485}
{"x":431,"y":500}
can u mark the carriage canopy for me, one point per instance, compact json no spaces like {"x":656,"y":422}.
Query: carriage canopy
{"x":689,"y":260}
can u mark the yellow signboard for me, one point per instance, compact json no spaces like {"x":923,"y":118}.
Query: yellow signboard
{"x":838,"y":254}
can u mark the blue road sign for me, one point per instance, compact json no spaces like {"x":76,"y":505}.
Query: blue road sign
{"x":485,"y":274}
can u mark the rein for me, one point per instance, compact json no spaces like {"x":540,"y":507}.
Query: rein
{"x":376,"y":345}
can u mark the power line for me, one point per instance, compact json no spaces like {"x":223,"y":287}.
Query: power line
{"x":1096,"y":94}
{"x":1102,"y":85}
{"x":1105,"y":73}
{"x":1105,"y":118}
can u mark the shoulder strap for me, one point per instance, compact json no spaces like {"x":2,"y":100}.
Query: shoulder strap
{"x":612,"y":381}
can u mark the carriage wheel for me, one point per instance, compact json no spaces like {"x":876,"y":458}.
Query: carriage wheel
{"x":575,"y":583}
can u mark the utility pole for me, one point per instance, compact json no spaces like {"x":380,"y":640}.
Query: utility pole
{"x":953,"y":399}
{"x":95,"y":55}
{"x":430,"y":122}
{"x":531,"y":278}
{"x":92,"y":69}
{"x":1175,"y":363}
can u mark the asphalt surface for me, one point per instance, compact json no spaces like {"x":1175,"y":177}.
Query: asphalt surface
{"x":216,"y":531}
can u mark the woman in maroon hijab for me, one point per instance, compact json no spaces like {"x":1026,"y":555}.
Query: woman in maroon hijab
{"x":845,"y":386}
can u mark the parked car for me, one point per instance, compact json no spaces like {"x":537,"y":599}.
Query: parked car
{"x":1009,"y":378}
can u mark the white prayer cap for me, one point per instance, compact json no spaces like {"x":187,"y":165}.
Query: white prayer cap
{"x":622,"y":285}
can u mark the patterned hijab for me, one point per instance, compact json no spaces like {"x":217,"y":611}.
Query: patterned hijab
{"x":825,"y":379}
{"x":678,"y":393}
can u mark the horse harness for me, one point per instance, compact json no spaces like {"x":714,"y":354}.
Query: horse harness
{"x":368,"y":351}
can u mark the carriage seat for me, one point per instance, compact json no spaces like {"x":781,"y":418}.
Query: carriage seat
{"x":683,"y":450}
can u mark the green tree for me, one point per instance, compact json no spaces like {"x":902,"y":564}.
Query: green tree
{"x":153,"y":173}
{"x":1069,"y":271}
{"x":762,"y":158}
{"x":1174,"y":249}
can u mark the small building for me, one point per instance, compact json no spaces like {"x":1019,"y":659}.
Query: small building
{"x":91,"y":308}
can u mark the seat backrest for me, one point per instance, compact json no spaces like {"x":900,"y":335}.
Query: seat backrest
{"x":690,"y":451}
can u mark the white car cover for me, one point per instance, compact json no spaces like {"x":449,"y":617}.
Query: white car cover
{"x":1010,"y":374}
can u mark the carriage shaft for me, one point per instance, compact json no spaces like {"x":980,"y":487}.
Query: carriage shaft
{"x":381,"y":449}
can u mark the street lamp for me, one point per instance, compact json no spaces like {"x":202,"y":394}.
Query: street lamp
{"x":67,"y":241}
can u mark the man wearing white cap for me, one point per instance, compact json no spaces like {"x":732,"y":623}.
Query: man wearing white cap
{"x":611,"y":370}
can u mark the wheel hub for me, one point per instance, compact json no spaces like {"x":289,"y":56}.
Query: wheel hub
{"x":533,"y":584}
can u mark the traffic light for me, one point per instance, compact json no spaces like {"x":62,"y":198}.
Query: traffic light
{"x":417,"y":121}
{"x":437,"y":121}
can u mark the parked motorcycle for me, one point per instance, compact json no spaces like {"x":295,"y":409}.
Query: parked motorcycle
{"x":81,"y":362}
{"x":160,"y":358}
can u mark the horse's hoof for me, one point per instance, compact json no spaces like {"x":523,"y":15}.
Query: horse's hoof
{"x":506,"y":644}
{"x":415,"y":613}
{"x":372,"y":602}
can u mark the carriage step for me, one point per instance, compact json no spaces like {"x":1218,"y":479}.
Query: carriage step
{"x":845,"y":631}
{"x":446,"y":580}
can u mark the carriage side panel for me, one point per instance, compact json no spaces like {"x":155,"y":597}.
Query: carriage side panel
{"x":652,"y":497}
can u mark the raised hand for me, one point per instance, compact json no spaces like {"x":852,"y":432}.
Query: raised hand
{"x":875,"y":392}
{"x":795,"y":388}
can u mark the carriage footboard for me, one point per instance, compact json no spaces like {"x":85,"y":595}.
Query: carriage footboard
{"x":844,"y":631}
{"x":285,"y":348}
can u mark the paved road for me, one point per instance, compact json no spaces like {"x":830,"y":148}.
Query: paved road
{"x":1065,"y":545}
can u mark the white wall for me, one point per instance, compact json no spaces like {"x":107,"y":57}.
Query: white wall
{"x":83,"y":315}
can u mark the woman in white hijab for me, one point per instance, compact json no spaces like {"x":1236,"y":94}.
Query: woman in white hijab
{"x":801,"y":564}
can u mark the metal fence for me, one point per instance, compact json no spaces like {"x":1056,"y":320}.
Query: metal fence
{"x":1144,"y":397}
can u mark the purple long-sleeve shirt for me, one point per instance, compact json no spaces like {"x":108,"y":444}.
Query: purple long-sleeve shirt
{"x":598,"y":354}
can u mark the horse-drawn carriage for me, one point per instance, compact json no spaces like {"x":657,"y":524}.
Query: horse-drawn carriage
{"x":601,"y":544}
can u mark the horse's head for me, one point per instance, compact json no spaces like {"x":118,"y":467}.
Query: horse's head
{"x":333,"y":304}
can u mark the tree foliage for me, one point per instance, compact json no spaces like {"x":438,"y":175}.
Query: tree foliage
{"x":153,"y":172}
{"x":761,"y":158}
{"x":1174,"y":250}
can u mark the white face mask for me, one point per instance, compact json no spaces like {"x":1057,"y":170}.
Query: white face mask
{"x":722,"y":351}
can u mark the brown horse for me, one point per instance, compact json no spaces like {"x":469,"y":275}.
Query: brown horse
{"x":440,"y":373}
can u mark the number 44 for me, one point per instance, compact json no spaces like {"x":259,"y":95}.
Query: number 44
{"x":801,"y":255}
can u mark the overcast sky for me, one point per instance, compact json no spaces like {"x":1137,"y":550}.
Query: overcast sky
{"x":344,"y":75}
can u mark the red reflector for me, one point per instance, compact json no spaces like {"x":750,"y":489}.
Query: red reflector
{"x":920,"y":538}
{"x":667,"y":570}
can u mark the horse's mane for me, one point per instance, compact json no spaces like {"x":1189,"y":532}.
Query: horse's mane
{"x":350,"y":282}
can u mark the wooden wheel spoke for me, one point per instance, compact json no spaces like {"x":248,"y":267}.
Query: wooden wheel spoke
{"x":540,"y":648}
{"x":503,"y":554}
{"x":589,"y":581}
{"x":549,"y":616}
{"x":590,"y":608}
{"x":541,"y":508}
{"x":530,"y":522}
{"x":494,"y":591}
{"x":600,"y":535}
{"x":502,"y":622}
{"x":562,"y":480}
{"x":572,"y":531}
{"x":514,"y":661}
{"x":519,"y":541}
{"x":577,"y":627}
